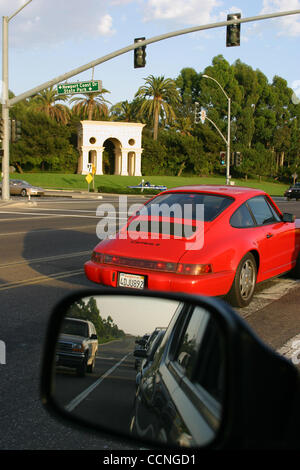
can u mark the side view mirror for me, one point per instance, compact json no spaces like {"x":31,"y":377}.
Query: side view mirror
{"x":140,"y":353}
{"x":286,"y":217}
{"x":211,"y":383}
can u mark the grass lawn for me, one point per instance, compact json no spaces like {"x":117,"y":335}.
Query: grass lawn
{"x":119,"y":184}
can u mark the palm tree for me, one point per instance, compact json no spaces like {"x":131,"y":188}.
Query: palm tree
{"x":92,"y":105}
{"x":159,"y":95}
{"x":126,"y":111}
{"x":46,"y":102}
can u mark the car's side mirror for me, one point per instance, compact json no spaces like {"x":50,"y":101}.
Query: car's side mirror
{"x":212,"y":382}
{"x":93,"y":336}
{"x":140,"y":353}
{"x":286,"y":217}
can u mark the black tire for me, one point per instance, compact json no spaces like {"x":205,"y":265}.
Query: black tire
{"x":23,"y":192}
{"x":296,"y":271}
{"x":243,"y":286}
{"x":82,"y":369}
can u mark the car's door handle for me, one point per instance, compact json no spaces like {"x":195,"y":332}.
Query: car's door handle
{"x":269,"y":235}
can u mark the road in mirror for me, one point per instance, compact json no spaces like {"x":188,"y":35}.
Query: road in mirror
{"x":146,"y":367}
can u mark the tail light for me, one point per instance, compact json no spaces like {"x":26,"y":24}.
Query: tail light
{"x":163,"y":266}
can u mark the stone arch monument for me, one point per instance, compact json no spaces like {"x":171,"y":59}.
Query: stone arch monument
{"x":122,"y":140}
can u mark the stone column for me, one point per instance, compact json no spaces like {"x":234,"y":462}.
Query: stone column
{"x":85,"y":159}
{"x":124,"y":163}
{"x":99,"y":160}
{"x":138,"y":162}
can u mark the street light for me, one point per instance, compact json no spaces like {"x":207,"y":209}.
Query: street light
{"x":228,"y":129}
{"x":5,"y":103}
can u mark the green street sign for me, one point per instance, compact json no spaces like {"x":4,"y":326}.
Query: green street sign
{"x":79,"y":87}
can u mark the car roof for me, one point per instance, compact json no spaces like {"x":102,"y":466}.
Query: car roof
{"x":219,"y":189}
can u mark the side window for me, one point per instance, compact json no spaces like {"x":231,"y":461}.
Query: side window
{"x":242,"y":218}
{"x":261,"y":210}
{"x":199,"y":354}
{"x":187,"y":352}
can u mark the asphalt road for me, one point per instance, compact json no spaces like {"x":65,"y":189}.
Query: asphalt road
{"x":43,"y":245}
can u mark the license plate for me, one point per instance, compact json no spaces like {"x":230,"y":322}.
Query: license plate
{"x":131,"y":280}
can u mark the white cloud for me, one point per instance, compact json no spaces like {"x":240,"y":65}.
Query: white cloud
{"x":105,"y":26}
{"x":185,"y":11}
{"x":52,"y":22}
{"x":288,"y":25}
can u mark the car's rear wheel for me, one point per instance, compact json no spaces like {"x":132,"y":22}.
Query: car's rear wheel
{"x":242,"y":289}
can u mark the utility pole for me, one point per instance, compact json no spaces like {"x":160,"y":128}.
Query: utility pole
{"x":6,"y":104}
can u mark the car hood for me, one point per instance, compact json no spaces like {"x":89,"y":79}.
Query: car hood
{"x":70,"y":338}
{"x":151,"y":246}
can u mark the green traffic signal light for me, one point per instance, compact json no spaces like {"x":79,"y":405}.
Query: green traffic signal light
{"x":233,"y":31}
{"x":139,"y":54}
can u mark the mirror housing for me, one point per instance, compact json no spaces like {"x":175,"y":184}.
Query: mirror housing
{"x":260,"y":403}
{"x":286,"y":217}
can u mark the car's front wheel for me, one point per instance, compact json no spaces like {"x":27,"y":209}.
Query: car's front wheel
{"x":242,"y":289}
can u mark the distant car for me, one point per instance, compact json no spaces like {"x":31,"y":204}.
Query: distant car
{"x":23,"y":188}
{"x":293,"y":192}
{"x":148,"y":355}
{"x":77,"y":345}
{"x":246,"y":239}
{"x":140,"y":345}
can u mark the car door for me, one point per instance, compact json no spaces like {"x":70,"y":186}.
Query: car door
{"x":275,"y":239}
{"x":195,"y":363}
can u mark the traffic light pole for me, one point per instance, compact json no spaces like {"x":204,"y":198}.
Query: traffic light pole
{"x":5,"y":111}
{"x":6,"y":103}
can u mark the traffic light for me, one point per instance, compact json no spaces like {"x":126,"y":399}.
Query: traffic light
{"x":233,"y":31}
{"x":222,"y":158}
{"x":139,"y":54}
{"x":1,"y":129}
{"x":13,"y":130}
{"x":238,"y":159}
{"x":15,"y":133}
{"x":18,"y":130}
{"x":197,"y":117}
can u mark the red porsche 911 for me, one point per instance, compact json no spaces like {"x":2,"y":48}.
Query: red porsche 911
{"x":210,"y":240}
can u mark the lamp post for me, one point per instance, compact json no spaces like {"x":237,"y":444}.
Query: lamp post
{"x":228,"y":128}
{"x":5,"y":103}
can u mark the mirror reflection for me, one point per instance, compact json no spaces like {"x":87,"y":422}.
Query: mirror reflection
{"x":146,"y":367}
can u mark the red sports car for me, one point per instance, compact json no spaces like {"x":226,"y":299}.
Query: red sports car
{"x":210,"y":240}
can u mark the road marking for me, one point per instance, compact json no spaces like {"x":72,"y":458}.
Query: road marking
{"x":40,"y":279}
{"x":46,"y":258}
{"x":82,"y":396}
{"x":61,"y":215}
{"x":291,"y":350}
{"x":278,"y":288}
{"x":34,"y":232}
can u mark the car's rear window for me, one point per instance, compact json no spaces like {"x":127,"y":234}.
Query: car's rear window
{"x":189,"y":205}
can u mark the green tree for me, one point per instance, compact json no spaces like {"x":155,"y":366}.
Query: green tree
{"x":47,"y":102}
{"x":91,"y":105}
{"x":159,"y":95}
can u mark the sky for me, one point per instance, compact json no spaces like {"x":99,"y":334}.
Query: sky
{"x":51,"y":37}
{"x":137,"y":315}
